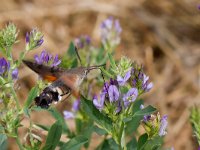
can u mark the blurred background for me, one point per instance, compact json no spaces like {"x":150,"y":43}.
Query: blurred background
{"x":162,"y":35}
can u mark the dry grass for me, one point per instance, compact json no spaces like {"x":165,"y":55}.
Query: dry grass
{"x":163,"y":35}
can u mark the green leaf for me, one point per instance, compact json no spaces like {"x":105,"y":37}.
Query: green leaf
{"x":134,"y":121}
{"x":3,"y":142}
{"x":71,"y":49}
{"x":87,"y":132}
{"x":108,"y":144}
{"x":96,"y":115}
{"x":53,"y":136}
{"x":137,"y":104}
{"x":104,"y":145}
{"x":154,"y":144}
{"x":74,"y":63}
{"x":26,"y":112}
{"x":132,"y":125}
{"x":32,"y":94}
{"x":112,"y":61}
{"x":132,"y":144}
{"x":60,"y":118}
{"x":75,"y":143}
{"x":99,"y":131}
{"x":142,"y":141}
{"x":146,"y":111}
{"x":46,"y":128}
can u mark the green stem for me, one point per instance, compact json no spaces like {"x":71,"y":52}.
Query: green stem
{"x":121,"y":137}
{"x":15,"y":97}
{"x":18,"y":141}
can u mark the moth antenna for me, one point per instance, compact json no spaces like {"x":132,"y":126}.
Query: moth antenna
{"x":96,"y":67}
{"x":77,"y":54}
{"x":99,"y":67}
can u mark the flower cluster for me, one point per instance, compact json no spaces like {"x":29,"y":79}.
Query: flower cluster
{"x":5,"y":67}
{"x":75,"y":108}
{"x":8,"y":36}
{"x":120,"y":93}
{"x":82,"y":42}
{"x":110,"y":32}
{"x":115,"y":95}
{"x":34,"y":39}
{"x":47,"y":59}
{"x":155,"y":125}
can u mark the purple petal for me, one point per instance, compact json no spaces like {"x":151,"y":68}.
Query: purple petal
{"x":87,"y":39}
{"x":99,"y":104}
{"x":68,"y":114}
{"x":15,"y":74}
{"x":141,"y":106}
{"x":119,"y":108}
{"x":118,"y":27}
{"x":149,"y":87}
{"x":132,"y":94}
{"x":120,"y":80}
{"x":134,"y":82}
{"x":146,"y":118}
{"x":113,"y":93}
{"x":126,"y":103}
{"x":39,"y":42}
{"x":163,"y":126}
{"x":56,"y":61}
{"x":37,"y":59}
{"x":27,"y":38}
{"x":76,"y":105}
{"x":127,"y":75}
{"x":105,"y":88}
{"x":146,"y":78}
{"x":4,"y":65}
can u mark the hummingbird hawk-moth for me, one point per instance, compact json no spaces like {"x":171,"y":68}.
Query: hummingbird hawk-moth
{"x":63,"y":82}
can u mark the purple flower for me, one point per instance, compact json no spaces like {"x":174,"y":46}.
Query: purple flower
{"x":34,"y":39}
{"x":110,"y":32}
{"x":68,"y":114}
{"x":113,"y":93}
{"x":40,"y":59}
{"x":163,"y":126}
{"x":15,"y":74}
{"x":134,"y":82}
{"x":4,"y":66}
{"x":76,"y":105}
{"x":113,"y":82}
{"x":119,"y":108}
{"x":46,"y":58}
{"x":105,"y":88}
{"x":117,"y":26}
{"x":199,"y":7}
{"x":146,"y":86}
{"x":56,"y":61}
{"x":99,"y":104}
{"x":107,"y":23}
{"x":122,"y":80}
{"x":27,"y":38}
{"x":130,"y":96}
{"x":82,"y":41}
{"x":146,"y":118}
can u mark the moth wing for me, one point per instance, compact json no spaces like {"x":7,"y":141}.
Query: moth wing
{"x":47,"y":73}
